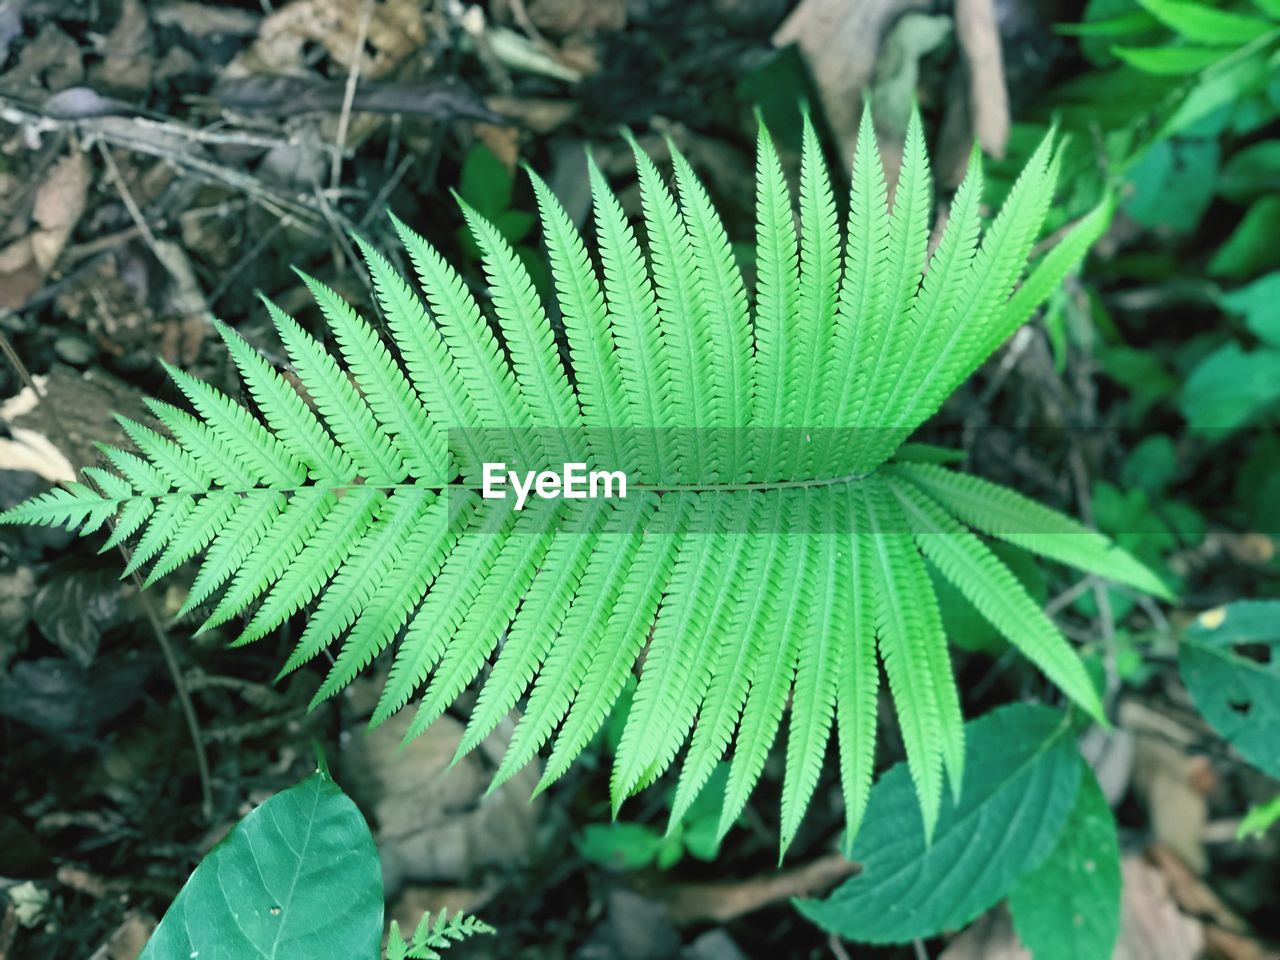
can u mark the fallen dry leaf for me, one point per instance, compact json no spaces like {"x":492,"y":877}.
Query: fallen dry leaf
{"x":28,"y":449}
{"x":1151,"y":926}
{"x":979,"y":36}
{"x":1174,"y":785}
{"x":990,"y":937}
{"x":128,"y":940}
{"x":578,"y":16}
{"x":722,"y":902}
{"x":60,"y":428}
{"x":394,"y":30}
{"x":1228,"y":935}
{"x":435,"y":823}
{"x":127,"y":52}
{"x":58,"y":206}
{"x":840,"y":40}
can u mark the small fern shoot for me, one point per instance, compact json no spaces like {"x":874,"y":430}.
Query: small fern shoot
{"x":768,"y":547}
{"x":430,"y":937}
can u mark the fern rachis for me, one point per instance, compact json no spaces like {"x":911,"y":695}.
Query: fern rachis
{"x":766,"y":547}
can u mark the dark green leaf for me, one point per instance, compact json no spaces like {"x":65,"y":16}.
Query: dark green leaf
{"x":1252,"y":248}
{"x":296,"y":879}
{"x":1069,"y":907}
{"x":1022,"y":773}
{"x":1173,"y":184}
{"x":1230,"y":386}
{"x":1257,"y":303}
{"x":1151,"y":465}
{"x":1238,"y":690}
{"x":1252,"y":172}
{"x":619,"y":845}
{"x":1218,"y":91}
{"x":1201,"y":23}
{"x":1171,"y":61}
{"x":485,"y":183}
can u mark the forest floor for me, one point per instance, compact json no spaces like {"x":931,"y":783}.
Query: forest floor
{"x":164,"y":162}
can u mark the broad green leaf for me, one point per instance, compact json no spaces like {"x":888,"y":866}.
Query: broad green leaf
{"x":297,"y":879}
{"x":1257,"y":303}
{"x":1238,"y":694}
{"x":621,"y":845}
{"x":1022,"y":773}
{"x":1251,"y":172}
{"x":1230,"y":386}
{"x":1173,"y":184}
{"x":484,"y":182}
{"x":1216,"y":92}
{"x":1252,"y":247}
{"x":1069,"y":907}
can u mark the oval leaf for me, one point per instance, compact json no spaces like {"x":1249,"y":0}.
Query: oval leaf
{"x":1069,"y":906}
{"x":296,"y":879}
{"x":1239,"y":695}
{"x":1022,"y":773}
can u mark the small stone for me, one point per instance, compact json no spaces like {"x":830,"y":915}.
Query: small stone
{"x":73,"y":350}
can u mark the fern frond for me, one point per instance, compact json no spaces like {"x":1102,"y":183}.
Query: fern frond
{"x":952,"y":355}
{"x":483,"y":377}
{"x":771,"y":680}
{"x":289,"y":417}
{"x":195,"y":533}
{"x":580,"y":636}
{"x":681,"y":655}
{"x":1010,"y":516}
{"x":629,"y":625}
{"x":997,"y":594}
{"x":725,"y":301}
{"x":858,"y":683}
{"x":243,"y":435}
{"x":632,"y":311}
{"x":345,"y":412}
{"x":811,"y":376}
{"x":823,"y":642}
{"x":542,"y":612}
{"x":432,"y":936}
{"x":682,"y":318}
{"x":740,"y":648}
{"x":605,"y":410}
{"x":384,"y":387}
{"x":885,"y":349}
{"x":526,"y":331}
{"x":914,"y":652}
{"x":776,"y":313}
{"x":859,"y":323}
{"x":933,"y":310}
{"x":764,"y":549}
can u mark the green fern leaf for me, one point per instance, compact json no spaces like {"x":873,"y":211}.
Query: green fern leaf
{"x":765,"y":549}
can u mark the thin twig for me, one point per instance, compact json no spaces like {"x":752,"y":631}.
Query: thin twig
{"x":393,"y":181}
{"x":349,"y":94}
{"x":1069,"y":596}
{"x":130,"y":204}
{"x":157,"y":626}
{"x":837,"y":947}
